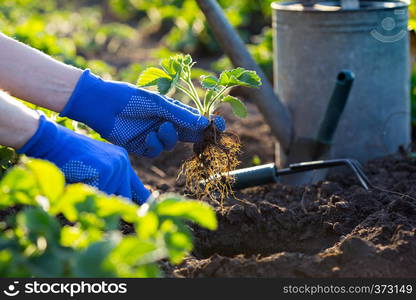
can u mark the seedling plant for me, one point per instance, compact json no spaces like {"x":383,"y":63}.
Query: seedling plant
{"x":208,"y":170}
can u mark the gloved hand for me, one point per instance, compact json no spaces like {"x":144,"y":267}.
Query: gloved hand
{"x":141,"y":121}
{"x":85,"y":160}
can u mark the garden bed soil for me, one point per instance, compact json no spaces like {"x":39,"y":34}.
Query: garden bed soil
{"x":334,"y":228}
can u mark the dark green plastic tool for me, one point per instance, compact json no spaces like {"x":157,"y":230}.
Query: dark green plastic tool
{"x":333,"y":113}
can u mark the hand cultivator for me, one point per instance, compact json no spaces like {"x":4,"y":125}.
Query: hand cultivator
{"x":315,"y":148}
{"x":316,"y":39}
{"x":270,"y":173}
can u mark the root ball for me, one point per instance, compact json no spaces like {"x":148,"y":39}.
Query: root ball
{"x":208,"y":170}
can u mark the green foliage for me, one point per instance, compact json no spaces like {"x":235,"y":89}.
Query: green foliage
{"x":8,"y":158}
{"x":261,"y":49}
{"x":53,"y":230}
{"x":176,"y":72}
{"x":188,"y":31}
{"x":412,"y":15}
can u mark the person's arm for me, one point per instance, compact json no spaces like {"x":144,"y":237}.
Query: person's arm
{"x":142,"y":122}
{"x":81,"y":159}
{"x":17,"y":122}
{"x":29,"y":74}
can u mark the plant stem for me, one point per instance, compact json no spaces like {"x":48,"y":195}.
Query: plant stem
{"x":217,"y":96}
{"x":196,"y":101}
{"x":193,"y":89}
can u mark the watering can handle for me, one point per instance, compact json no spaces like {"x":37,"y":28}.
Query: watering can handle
{"x":335,"y":107}
{"x":333,"y":113}
{"x":275,"y":113}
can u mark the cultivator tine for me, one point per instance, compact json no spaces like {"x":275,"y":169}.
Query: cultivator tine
{"x":359,"y":173}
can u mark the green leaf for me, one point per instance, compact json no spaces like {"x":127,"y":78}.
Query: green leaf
{"x":18,"y":186}
{"x":91,"y":261}
{"x":47,"y":265}
{"x":195,"y":211}
{"x":131,"y":250}
{"x":250,"y":78}
{"x":239,"y":77}
{"x":151,"y":77}
{"x":171,"y":66}
{"x":147,"y":226}
{"x":6,"y":259}
{"x":114,"y":206}
{"x":6,"y":156}
{"x":52,"y":185}
{"x":164,"y":85}
{"x":187,"y":59}
{"x":179,"y":245}
{"x":238,"y":107}
{"x":146,"y":271}
{"x":73,"y":236}
{"x":209,"y":82}
{"x":69,"y":203}
{"x":229,"y":77}
{"x":37,"y":223}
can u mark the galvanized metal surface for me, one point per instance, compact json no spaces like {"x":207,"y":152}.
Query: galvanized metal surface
{"x":313,"y":44}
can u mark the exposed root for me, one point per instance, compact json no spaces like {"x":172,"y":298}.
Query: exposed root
{"x":208,"y":170}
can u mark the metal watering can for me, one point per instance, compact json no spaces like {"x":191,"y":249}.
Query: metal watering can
{"x":313,"y":41}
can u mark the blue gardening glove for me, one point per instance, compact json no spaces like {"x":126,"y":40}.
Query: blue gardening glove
{"x":85,"y":160}
{"x":141,"y":121}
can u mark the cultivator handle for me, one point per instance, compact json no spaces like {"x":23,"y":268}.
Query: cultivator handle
{"x":254,"y":176}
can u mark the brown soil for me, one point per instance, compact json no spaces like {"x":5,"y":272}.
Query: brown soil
{"x":332,"y":229}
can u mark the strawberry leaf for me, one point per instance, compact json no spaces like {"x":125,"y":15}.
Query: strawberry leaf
{"x":164,"y":85}
{"x":151,"y":76}
{"x":238,"y":107}
{"x":249,"y":78}
{"x":240,"y":77}
{"x":171,"y":66}
{"x":209,"y":82}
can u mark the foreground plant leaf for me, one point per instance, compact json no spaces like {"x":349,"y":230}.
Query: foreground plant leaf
{"x":87,"y":241}
{"x":196,"y":211}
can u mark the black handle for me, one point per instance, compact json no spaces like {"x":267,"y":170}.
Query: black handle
{"x":254,"y":176}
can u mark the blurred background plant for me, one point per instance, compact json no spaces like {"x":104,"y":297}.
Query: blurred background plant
{"x":91,"y":33}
